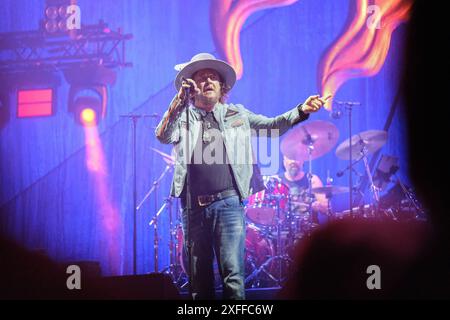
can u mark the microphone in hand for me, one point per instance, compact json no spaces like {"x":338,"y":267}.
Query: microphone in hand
{"x":185,"y":82}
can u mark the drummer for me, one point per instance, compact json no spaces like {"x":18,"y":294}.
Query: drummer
{"x":297,"y":180}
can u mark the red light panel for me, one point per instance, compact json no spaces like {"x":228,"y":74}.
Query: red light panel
{"x":34,"y":103}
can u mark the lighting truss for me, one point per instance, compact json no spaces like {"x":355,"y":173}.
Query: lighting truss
{"x":92,"y":45}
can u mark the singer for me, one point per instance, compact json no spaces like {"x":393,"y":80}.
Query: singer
{"x":219,"y":137}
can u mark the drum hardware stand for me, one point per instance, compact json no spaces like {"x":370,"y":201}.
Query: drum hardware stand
{"x":329,"y":211}
{"x":280,"y":256}
{"x":173,"y":270}
{"x":328,"y":196}
{"x":309,"y":141}
{"x":251,"y":260}
{"x":411,"y":197}
{"x":154,"y":221}
{"x":373,"y":188}
{"x":279,"y":243}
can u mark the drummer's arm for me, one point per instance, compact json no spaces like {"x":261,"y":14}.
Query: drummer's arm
{"x":321,"y":202}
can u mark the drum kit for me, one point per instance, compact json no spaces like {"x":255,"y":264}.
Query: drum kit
{"x":274,"y":226}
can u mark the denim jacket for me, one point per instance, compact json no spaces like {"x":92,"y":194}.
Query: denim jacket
{"x":236,"y":124}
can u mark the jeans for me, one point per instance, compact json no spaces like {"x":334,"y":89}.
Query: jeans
{"x":217,"y":228}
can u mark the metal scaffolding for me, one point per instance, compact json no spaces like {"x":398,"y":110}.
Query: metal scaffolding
{"x":91,"y":45}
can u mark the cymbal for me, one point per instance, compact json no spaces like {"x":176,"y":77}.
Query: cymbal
{"x":330,"y":190}
{"x":320,"y":135}
{"x":365,"y":142}
{"x":170,"y":160}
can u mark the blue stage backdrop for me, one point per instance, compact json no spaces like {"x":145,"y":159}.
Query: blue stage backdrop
{"x":47,"y":196}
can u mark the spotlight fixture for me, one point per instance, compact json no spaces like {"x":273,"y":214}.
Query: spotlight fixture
{"x":88,"y":94}
{"x":87,"y":111}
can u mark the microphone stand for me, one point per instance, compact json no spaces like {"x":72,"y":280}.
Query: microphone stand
{"x":188,"y":193}
{"x":154,"y":186}
{"x":154,"y":221}
{"x":341,"y":173}
{"x":350,"y":179}
{"x":349,"y":107}
{"x":134,"y":118}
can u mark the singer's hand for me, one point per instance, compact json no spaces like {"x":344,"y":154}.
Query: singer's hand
{"x":314,"y":103}
{"x":188,"y":86}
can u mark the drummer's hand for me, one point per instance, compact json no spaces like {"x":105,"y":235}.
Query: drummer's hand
{"x":314,"y":103}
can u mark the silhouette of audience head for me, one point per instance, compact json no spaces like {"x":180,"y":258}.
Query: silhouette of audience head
{"x":413,"y":256}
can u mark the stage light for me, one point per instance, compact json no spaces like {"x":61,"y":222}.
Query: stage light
{"x":89,"y":88}
{"x":87,"y":111}
{"x":58,"y":15}
{"x":35,"y":93}
{"x":51,"y":12}
{"x":88,"y":116}
{"x":34,"y":103}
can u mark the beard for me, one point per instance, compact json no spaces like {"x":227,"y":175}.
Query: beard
{"x":208,"y":100}
{"x":293,"y":170}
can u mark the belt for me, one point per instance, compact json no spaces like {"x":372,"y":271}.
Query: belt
{"x":205,"y":200}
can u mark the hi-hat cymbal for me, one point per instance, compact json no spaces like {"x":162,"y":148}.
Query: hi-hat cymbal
{"x":170,"y":160}
{"x":318,"y":136}
{"x":330,"y":190}
{"x":362,"y":143}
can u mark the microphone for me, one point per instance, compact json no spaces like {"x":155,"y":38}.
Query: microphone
{"x":337,"y":111}
{"x":183,"y":79}
{"x":336,"y":114}
{"x":348,"y":103}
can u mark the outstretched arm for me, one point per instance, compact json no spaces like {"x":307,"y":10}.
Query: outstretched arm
{"x":288,"y":119}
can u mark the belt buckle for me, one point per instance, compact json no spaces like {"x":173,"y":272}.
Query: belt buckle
{"x":204,"y":200}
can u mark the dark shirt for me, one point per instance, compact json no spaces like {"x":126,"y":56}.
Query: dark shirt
{"x":297,"y":187}
{"x":298,"y":193}
{"x":210,"y":171}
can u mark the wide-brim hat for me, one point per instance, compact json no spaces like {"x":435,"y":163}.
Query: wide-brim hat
{"x":205,"y":61}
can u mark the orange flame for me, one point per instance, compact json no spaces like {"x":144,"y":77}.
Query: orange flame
{"x":109,"y":216}
{"x":362,"y":48}
{"x":227,"y":18}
